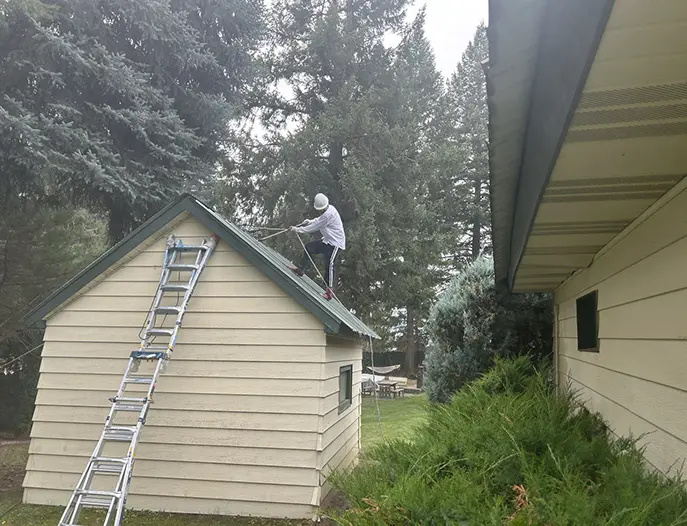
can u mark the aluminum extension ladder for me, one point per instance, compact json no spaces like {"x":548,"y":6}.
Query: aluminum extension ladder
{"x":186,"y":260}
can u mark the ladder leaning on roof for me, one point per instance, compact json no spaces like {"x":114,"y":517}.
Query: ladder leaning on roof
{"x":176,"y":259}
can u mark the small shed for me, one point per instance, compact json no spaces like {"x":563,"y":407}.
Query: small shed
{"x":260,"y":401}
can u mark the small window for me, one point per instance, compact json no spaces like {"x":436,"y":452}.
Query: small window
{"x":345,"y":387}
{"x":587,"y":323}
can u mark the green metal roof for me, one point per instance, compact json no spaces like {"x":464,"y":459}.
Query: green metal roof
{"x":334,"y":316}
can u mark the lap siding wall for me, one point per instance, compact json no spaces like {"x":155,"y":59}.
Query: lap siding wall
{"x":636,"y":380}
{"x":236,"y":420}
{"x":340,"y":442}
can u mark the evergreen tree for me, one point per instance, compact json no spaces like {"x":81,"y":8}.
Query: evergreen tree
{"x":469,"y":141}
{"x":115,"y":103}
{"x":356,"y":120}
{"x":40,"y":248}
{"x":415,"y":260}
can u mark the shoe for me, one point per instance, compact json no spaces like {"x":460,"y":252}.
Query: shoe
{"x":328,"y":295}
{"x":298,"y":272}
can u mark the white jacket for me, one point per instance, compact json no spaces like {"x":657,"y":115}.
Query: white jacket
{"x":331,"y":227}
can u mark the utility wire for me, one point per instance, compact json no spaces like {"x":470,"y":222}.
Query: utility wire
{"x":4,"y":365}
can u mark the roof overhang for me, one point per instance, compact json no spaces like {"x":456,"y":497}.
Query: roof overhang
{"x":333,"y":315}
{"x":589,"y":138}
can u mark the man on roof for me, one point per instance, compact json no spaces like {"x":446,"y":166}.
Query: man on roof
{"x":333,"y":239}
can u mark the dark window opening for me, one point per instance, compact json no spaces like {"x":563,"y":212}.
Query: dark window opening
{"x":345,"y":387}
{"x":587,"y":323}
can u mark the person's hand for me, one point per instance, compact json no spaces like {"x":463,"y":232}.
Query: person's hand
{"x":293,"y":228}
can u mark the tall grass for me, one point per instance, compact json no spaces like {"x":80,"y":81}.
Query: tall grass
{"x":506,"y":450}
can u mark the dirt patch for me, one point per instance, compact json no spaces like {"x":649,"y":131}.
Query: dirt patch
{"x":13,"y":457}
{"x":13,"y":442}
{"x":11,"y":479}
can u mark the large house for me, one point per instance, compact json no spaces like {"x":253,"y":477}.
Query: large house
{"x":588,"y":132}
{"x":261,"y":399}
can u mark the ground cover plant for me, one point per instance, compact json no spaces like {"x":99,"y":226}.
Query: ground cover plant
{"x":507,"y":450}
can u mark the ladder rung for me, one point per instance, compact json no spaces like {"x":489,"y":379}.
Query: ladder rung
{"x":97,"y":502}
{"x":118,"y":437}
{"x":129,"y":429}
{"x":147,"y":380}
{"x":189,"y":248}
{"x":160,"y":332}
{"x":128,"y":399}
{"x":151,"y":353}
{"x":184,"y":267}
{"x":167,"y":310}
{"x":129,"y":407}
{"x":108,"y":470}
{"x":111,"y":460}
{"x":97,"y":493}
{"x":174,"y":288}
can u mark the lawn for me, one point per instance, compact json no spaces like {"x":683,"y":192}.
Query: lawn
{"x":399,"y":416}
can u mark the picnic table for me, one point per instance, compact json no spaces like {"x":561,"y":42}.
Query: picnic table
{"x":389,"y":388}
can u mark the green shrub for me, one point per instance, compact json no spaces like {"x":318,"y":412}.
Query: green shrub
{"x":474,"y":322}
{"x":506,"y":450}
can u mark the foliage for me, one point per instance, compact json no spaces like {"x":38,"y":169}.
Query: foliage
{"x":40,"y":248}
{"x":507,"y":450}
{"x":461,"y":325}
{"x":466,"y":183}
{"x":473,"y":322}
{"x":350,"y":116}
{"x":118,"y":104}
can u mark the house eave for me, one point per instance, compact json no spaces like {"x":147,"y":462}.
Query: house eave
{"x":526,"y":135}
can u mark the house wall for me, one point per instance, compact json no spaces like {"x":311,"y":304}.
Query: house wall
{"x":340,"y":442}
{"x":236,"y":420}
{"x":637,"y":379}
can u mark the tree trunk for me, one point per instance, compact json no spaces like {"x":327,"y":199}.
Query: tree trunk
{"x":119,"y":221}
{"x":410,"y":365}
{"x":336,"y":160}
{"x":477,"y":220}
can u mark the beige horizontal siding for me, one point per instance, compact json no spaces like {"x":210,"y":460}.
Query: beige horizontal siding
{"x":227,"y":336}
{"x":186,"y":435}
{"x":662,"y":450}
{"x":200,"y":352}
{"x":664,"y":366}
{"x":192,"y":321}
{"x":190,"y":401}
{"x":181,"y":488}
{"x":345,"y":440}
{"x":187,"y":384}
{"x":189,"y":367}
{"x":181,"y":453}
{"x":184,"y":418}
{"x":340,"y":431}
{"x":210,"y":304}
{"x":237,"y":417}
{"x":228,"y":289}
{"x":635,"y":380}
{"x":205,"y":506}
{"x":191,"y":470}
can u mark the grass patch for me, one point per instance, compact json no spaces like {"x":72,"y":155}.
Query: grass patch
{"x":507,"y":451}
{"x":48,"y":516}
{"x":400,"y":417}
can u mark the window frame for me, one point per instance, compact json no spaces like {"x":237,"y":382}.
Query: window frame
{"x":347,"y":401}
{"x":584,"y":304}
